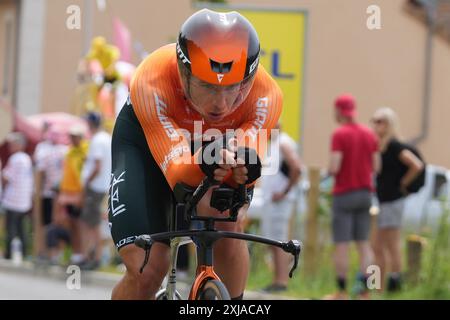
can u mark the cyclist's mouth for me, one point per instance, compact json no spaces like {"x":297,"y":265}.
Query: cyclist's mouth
{"x":215,"y":116}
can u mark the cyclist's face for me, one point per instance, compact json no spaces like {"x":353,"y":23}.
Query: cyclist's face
{"x":215,"y":102}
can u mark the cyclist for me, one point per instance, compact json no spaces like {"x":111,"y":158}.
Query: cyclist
{"x":211,"y":78}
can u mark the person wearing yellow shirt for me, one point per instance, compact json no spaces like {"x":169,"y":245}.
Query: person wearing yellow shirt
{"x":71,"y":189}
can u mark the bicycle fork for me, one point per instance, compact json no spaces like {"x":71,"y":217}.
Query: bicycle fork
{"x":175,"y":244}
{"x":205,"y":269}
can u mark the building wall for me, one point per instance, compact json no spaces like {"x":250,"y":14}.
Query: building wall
{"x":8,"y":37}
{"x":380,"y":68}
{"x":151,"y":23}
{"x":30,"y":70}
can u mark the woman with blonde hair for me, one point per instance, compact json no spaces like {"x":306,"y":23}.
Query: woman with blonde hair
{"x":400,"y":167}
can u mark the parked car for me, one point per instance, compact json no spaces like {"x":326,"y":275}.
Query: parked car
{"x":425,"y":208}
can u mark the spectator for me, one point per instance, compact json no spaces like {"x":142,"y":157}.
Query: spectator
{"x":279,"y":202}
{"x":71,"y":188}
{"x":96,"y":178}
{"x":354,"y":158}
{"x":42,"y":147}
{"x":399,"y":168}
{"x":48,"y":157}
{"x":1,"y":184}
{"x":58,"y":237}
{"x":17,"y":180}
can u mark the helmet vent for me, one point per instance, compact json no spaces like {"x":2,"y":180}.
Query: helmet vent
{"x":218,"y":67}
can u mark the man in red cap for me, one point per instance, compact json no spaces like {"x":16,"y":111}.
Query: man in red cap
{"x":354,"y":159}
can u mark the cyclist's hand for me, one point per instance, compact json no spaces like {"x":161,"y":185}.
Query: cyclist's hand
{"x":226,"y":163}
{"x":218,"y":157}
{"x":250,"y":158}
{"x":240,"y":171}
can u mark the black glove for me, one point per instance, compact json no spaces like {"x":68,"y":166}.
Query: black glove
{"x":210,"y":158}
{"x":252,"y":163}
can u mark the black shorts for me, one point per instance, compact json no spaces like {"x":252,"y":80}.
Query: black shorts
{"x":73,"y":211}
{"x":47,"y":209}
{"x":140,"y":199}
{"x":55,"y":234}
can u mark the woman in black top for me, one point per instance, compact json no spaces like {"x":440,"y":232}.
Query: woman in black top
{"x":399,"y":169}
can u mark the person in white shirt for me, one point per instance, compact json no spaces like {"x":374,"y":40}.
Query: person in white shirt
{"x":96,"y":177}
{"x":44,"y":146}
{"x":48,"y":159}
{"x":279,"y":200}
{"x":17,"y":198}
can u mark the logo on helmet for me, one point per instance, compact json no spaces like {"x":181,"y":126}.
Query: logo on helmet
{"x":253,"y":65}
{"x":181,"y":54}
{"x":223,"y":18}
{"x":220,"y":77}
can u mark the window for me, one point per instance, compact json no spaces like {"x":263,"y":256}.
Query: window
{"x":440,"y":186}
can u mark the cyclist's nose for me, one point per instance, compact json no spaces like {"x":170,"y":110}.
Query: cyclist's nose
{"x":220,"y":101}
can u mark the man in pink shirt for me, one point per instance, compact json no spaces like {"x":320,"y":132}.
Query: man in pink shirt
{"x":353,"y":162}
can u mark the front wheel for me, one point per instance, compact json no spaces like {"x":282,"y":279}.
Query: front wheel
{"x":213,"y":290}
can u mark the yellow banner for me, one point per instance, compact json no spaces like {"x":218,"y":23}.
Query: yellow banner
{"x":282,"y":37}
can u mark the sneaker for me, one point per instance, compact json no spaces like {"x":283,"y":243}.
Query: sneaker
{"x":42,"y":260}
{"x":336,"y":296}
{"x":394,"y":283}
{"x":363,"y":296}
{"x":274,"y":287}
{"x":77,"y":259}
{"x":90,"y":265}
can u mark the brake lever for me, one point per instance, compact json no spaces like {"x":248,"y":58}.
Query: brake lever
{"x":293,"y":247}
{"x":144,"y":242}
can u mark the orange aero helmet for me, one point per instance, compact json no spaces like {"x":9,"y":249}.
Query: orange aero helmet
{"x":221,"y":49}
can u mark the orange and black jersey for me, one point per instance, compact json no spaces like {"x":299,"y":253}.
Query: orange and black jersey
{"x":164,"y":113}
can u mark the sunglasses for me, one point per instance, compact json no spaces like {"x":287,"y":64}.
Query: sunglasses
{"x":378,"y":121}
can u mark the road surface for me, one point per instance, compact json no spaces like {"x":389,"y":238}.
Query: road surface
{"x":31,"y":284}
{"x":29,"y":287}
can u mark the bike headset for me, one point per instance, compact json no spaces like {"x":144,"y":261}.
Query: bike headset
{"x":218,"y":52}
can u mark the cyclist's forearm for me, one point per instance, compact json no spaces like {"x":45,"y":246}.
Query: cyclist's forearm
{"x":188,"y":173}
